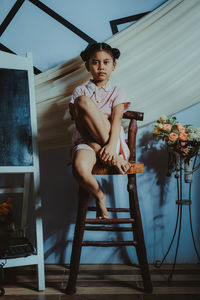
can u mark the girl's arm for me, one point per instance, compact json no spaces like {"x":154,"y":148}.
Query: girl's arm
{"x":108,"y":152}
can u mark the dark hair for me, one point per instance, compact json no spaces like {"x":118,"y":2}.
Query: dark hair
{"x":92,"y":48}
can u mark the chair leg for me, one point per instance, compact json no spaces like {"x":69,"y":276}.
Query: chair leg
{"x":77,"y":242}
{"x":138,"y":233}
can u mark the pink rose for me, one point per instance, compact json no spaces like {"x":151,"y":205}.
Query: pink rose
{"x":167,"y":127}
{"x":186,"y":150}
{"x":180,"y":127}
{"x":183,"y":136}
{"x":173,"y":137}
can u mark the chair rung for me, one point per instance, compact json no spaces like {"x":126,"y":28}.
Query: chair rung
{"x":109,"y":221}
{"x":111,"y":209}
{"x":105,"y":228}
{"x":109,"y":243}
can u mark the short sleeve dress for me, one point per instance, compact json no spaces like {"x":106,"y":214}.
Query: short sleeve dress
{"x":106,"y":98}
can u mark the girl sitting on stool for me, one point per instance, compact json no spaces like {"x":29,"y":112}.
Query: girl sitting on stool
{"x":97,"y":108}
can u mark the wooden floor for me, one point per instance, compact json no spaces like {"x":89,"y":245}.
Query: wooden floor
{"x":109,"y":282}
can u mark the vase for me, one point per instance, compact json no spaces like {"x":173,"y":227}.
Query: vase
{"x":188,"y":170}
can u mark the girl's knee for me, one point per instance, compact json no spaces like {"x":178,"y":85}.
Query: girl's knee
{"x":80,"y":169}
{"x":83,"y":103}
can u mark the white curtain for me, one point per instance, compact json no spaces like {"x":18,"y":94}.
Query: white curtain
{"x":159,"y":69}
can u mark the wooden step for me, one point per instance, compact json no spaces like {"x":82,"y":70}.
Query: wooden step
{"x":110,"y":221}
{"x":109,"y":243}
{"x":91,"y":208}
{"x":108,"y":228}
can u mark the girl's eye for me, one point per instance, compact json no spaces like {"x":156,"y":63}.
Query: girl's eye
{"x":94,"y":62}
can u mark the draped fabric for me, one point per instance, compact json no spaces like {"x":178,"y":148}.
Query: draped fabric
{"x":159,"y":68}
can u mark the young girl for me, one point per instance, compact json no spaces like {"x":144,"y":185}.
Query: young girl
{"x":97,"y":108}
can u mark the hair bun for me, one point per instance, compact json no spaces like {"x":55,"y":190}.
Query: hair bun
{"x":115,"y":53}
{"x":84,"y":55}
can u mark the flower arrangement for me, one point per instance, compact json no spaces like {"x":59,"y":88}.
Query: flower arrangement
{"x":6,"y":216}
{"x":183,"y":139}
{"x":6,"y":208}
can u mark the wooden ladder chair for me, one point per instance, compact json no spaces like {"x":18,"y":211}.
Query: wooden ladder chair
{"x":82,"y":223}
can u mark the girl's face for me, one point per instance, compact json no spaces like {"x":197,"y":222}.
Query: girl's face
{"x":101,"y":65}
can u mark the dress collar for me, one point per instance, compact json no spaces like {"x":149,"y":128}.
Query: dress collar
{"x":107,"y":87}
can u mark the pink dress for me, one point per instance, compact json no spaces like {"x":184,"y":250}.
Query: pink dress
{"x":105,"y":97}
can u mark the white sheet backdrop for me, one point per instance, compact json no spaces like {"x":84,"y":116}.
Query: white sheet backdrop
{"x":159,"y":69}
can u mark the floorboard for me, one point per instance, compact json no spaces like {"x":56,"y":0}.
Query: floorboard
{"x":109,"y":282}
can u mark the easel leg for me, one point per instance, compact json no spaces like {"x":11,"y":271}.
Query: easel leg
{"x":39,"y":234}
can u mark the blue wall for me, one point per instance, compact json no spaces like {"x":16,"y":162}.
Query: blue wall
{"x":52,"y":44}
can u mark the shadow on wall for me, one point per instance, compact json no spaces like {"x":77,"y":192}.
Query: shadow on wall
{"x":155,"y":158}
{"x":59,"y":201}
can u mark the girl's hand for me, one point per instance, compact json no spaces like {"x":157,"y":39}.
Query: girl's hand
{"x":107,"y":154}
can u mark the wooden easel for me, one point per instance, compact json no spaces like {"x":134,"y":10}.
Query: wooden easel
{"x":24,"y":159}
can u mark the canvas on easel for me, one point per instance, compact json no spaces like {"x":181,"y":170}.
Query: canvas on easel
{"x":18,"y":146}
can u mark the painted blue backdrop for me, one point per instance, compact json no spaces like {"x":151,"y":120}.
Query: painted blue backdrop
{"x":52,"y":43}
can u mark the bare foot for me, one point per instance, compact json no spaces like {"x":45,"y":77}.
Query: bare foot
{"x":102,"y":212}
{"x":121,"y":164}
{"x":107,"y":162}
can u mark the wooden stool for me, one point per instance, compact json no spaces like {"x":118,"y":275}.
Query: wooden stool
{"x":82,"y":223}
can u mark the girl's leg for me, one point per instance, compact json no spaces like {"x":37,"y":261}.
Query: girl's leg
{"x":90,"y":121}
{"x":83,"y":163}
{"x":95,"y":127}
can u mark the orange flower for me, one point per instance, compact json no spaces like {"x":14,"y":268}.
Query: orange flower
{"x":155,"y":131}
{"x":183,"y":136}
{"x":5,"y":210}
{"x":9,"y":199}
{"x":160,"y":126}
{"x":173,"y":137}
{"x":6,"y":207}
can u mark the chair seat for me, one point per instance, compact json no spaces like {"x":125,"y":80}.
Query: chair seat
{"x":100,"y":169}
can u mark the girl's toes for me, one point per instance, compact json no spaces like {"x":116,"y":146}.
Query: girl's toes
{"x":106,"y":217}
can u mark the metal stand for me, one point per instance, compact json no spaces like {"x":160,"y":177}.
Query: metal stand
{"x":178,"y":226}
